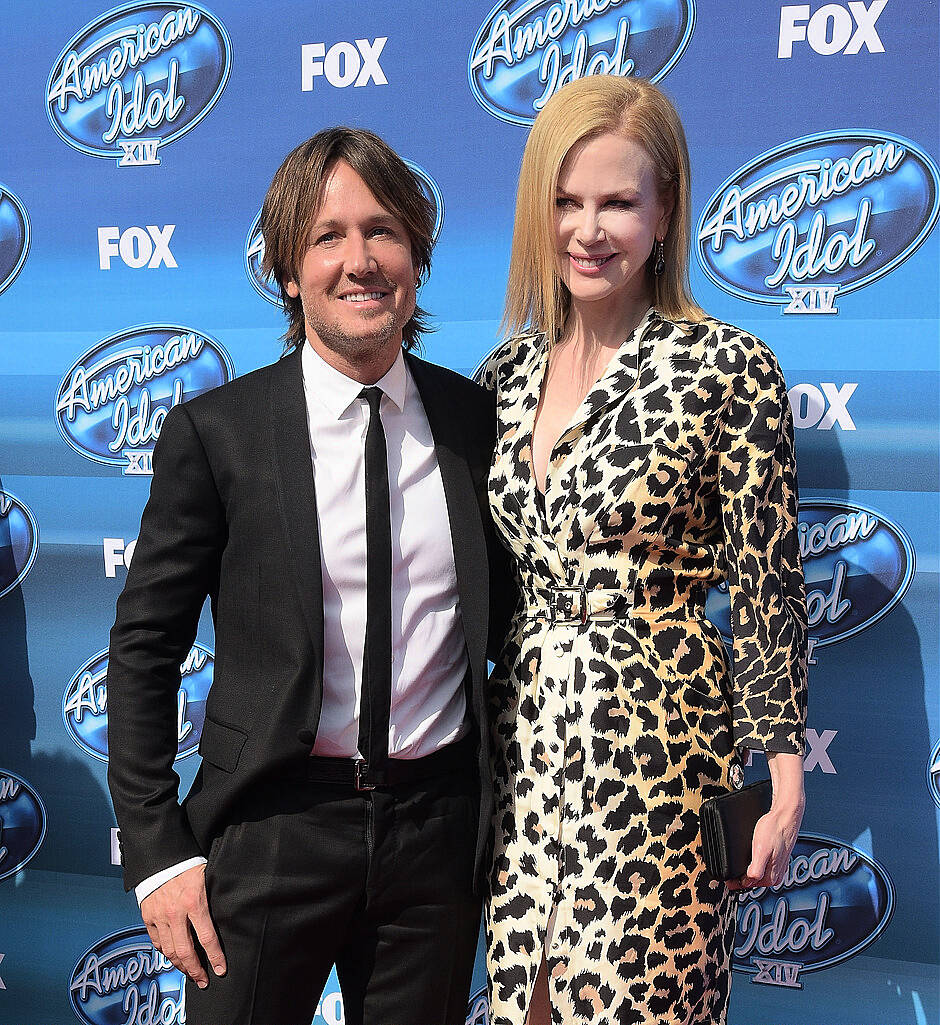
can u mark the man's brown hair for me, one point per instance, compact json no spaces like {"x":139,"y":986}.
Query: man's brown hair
{"x":296,"y":194}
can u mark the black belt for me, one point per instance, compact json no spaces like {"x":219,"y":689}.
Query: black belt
{"x":357,"y":773}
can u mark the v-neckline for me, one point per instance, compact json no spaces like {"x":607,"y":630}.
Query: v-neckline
{"x":575,"y":417}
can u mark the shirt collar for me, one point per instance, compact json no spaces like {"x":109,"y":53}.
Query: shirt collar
{"x":336,"y":392}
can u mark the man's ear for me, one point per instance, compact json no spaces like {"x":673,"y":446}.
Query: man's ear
{"x":292,"y":289}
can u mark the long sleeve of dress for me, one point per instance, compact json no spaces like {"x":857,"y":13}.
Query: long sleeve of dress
{"x":758,"y":494}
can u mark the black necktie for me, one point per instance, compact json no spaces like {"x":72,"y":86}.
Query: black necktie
{"x":375,"y":703}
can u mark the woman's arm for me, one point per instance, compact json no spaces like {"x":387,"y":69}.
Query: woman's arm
{"x":758,"y":493}
{"x":758,"y":489}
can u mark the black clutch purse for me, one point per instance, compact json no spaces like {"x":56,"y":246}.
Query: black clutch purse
{"x":728,"y":828}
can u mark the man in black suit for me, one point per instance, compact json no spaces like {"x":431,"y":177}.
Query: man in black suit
{"x":333,"y":508}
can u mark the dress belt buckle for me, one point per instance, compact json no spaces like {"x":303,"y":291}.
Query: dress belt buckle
{"x":362,"y":769}
{"x":569,"y":604}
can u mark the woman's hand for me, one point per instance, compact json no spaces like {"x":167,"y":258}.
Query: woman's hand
{"x":776,"y":832}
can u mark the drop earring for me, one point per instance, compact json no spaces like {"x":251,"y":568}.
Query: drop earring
{"x":660,"y":264}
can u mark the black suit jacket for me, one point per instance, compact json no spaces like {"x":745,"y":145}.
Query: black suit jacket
{"x":232,"y":515}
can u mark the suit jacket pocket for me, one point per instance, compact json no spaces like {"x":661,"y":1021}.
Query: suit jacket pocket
{"x":221,"y":745}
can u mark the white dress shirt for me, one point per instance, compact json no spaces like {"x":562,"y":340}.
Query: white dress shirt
{"x":429,"y":659}
{"x":429,"y":656}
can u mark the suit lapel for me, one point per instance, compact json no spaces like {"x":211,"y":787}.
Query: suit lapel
{"x":463,"y":510}
{"x":290,"y":441}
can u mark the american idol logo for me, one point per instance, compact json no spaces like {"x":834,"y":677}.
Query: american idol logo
{"x":819,"y":217}
{"x":22,"y":823}
{"x":933,"y":773}
{"x":85,"y":703}
{"x":14,"y":236}
{"x":254,"y":244}
{"x":478,"y":1010}
{"x":137,"y":78}
{"x":265,"y":286}
{"x":832,"y":903}
{"x":19,"y":542}
{"x":526,"y":51}
{"x":113,"y":400}
{"x":857,"y":566}
{"x":124,"y":979}
{"x":434,"y":195}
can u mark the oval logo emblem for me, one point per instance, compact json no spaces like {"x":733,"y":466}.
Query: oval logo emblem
{"x":434,"y":195}
{"x":22,"y":823}
{"x":478,"y":1010}
{"x":254,"y":258}
{"x":138,"y":78}
{"x":833,"y":902}
{"x":14,"y":237}
{"x":857,"y":565}
{"x":85,"y":703}
{"x":113,"y":400}
{"x":123,"y":978}
{"x":19,"y":542}
{"x":933,"y":773}
{"x":526,"y":50}
{"x":820,"y":216}
{"x":254,"y":243}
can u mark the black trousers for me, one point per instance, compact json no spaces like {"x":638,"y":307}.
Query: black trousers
{"x":379,"y":883}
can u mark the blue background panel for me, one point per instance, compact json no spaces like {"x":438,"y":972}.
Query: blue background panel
{"x":873,"y":368}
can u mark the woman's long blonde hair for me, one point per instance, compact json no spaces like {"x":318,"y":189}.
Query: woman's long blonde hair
{"x":536,"y":297}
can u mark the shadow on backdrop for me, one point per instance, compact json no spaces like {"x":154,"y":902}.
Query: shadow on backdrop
{"x":871,"y":689}
{"x":78,"y":811}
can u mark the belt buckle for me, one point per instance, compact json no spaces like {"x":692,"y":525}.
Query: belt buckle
{"x":569,"y":604}
{"x":362,"y":768}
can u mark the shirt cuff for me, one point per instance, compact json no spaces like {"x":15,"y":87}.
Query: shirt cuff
{"x":144,"y":888}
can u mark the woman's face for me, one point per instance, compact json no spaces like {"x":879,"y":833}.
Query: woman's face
{"x":608,"y":213}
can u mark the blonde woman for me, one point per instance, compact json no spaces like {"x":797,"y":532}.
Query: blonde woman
{"x":644,"y":453}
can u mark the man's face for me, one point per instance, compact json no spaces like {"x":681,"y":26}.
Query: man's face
{"x":356,"y":279}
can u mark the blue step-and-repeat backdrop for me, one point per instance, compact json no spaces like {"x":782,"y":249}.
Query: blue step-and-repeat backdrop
{"x":137,"y":144}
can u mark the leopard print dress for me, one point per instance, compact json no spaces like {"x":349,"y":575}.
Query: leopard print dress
{"x":614,"y":711}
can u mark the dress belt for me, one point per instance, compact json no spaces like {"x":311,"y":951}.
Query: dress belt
{"x":357,"y":773}
{"x":577,"y":604}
